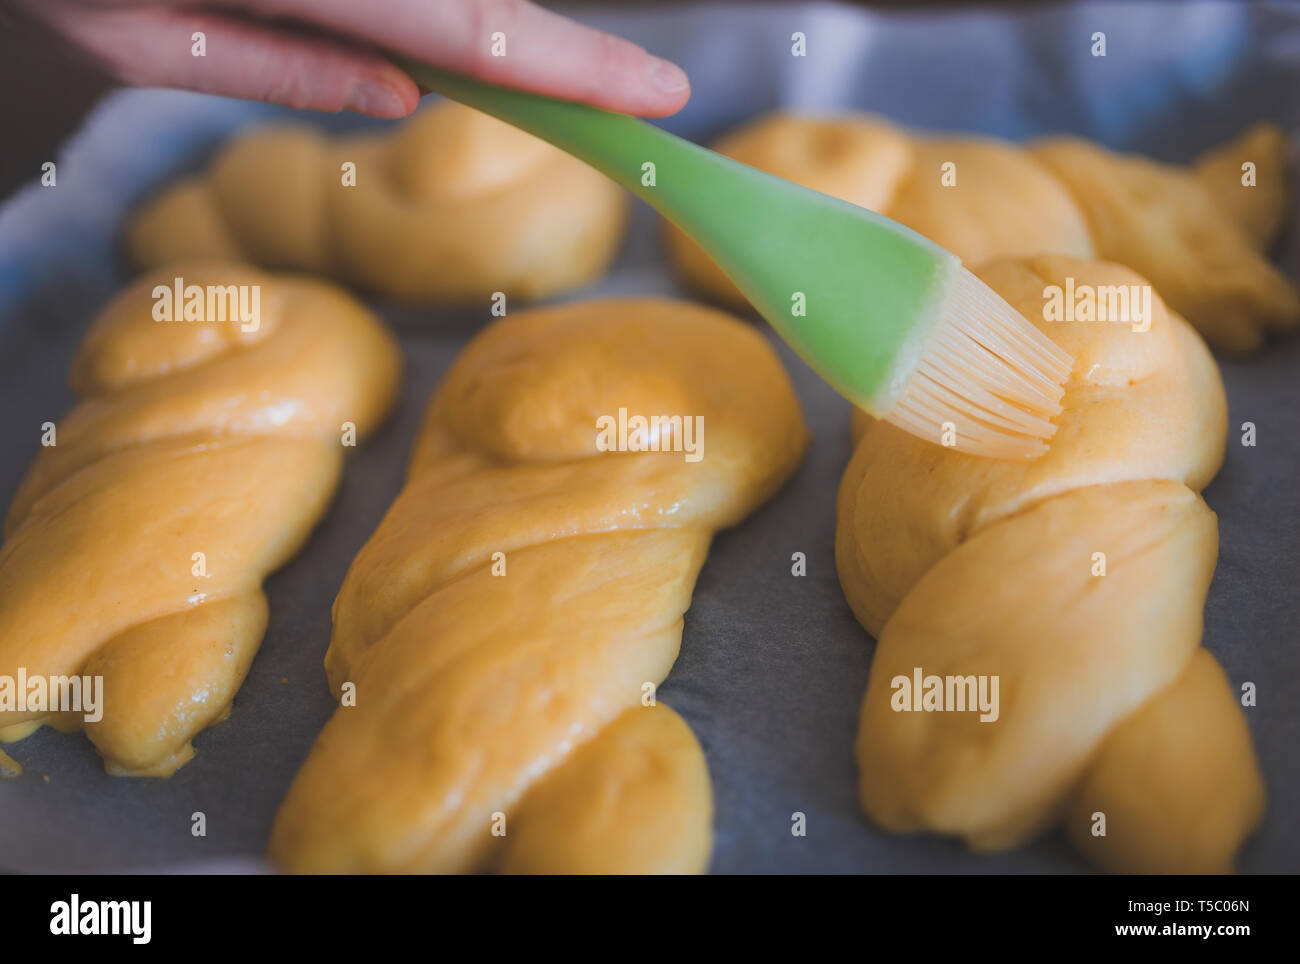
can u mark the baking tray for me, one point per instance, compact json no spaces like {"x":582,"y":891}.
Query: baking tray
{"x":772,"y":667}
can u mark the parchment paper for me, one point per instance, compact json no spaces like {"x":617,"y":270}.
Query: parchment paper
{"x":773,"y":667}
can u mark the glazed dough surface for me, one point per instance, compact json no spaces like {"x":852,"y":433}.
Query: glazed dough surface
{"x":520,"y":693}
{"x":190,"y":437}
{"x":1195,"y":232}
{"x":968,"y":566}
{"x":450,"y":205}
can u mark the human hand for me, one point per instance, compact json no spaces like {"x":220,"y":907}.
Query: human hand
{"x":326,"y":54}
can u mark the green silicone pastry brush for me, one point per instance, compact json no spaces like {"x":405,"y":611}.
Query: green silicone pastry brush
{"x":893,"y":321}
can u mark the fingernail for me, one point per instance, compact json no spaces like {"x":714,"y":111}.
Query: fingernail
{"x":667,"y":77}
{"x":376,"y":100}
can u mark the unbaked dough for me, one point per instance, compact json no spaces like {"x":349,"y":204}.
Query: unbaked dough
{"x":523,"y":596}
{"x":451,"y":205}
{"x":964,"y":566}
{"x":198,"y":460}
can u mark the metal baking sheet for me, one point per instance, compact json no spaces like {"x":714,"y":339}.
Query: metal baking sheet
{"x":772,"y":667}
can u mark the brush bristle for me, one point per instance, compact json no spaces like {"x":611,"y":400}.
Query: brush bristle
{"x":990,"y":373}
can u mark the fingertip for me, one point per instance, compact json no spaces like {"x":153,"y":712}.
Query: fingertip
{"x":408,"y":95}
{"x":388,"y":98}
{"x":407,"y":90}
{"x":667,"y":104}
{"x":665,"y":91}
{"x":666,"y":77}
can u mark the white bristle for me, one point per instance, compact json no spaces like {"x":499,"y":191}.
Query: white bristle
{"x":990,"y":373}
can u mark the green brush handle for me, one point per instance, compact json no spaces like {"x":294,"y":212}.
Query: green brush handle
{"x":871,"y":286}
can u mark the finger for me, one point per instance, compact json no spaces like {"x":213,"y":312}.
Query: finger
{"x":508,"y":42}
{"x":156,"y":46}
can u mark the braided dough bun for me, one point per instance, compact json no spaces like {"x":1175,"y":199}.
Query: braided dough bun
{"x":1196,"y":233}
{"x":450,"y":205}
{"x":189,"y":437}
{"x":961,"y":565}
{"x":521,"y":693}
